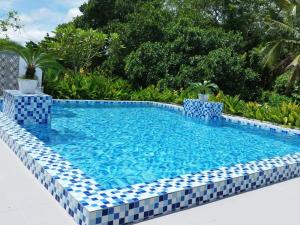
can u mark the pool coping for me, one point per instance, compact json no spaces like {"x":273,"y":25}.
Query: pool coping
{"x":89,"y":204}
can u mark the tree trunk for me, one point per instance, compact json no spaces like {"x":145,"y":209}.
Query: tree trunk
{"x":293,"y":79}
{"x":30,"y":72}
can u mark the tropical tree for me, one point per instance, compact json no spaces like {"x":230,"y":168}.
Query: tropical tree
{"x":97,"y":13}
{"x":33,"y":57}
{"x":11,"y":21}
{"x":285,"y":49}
{"x":78,"y":48}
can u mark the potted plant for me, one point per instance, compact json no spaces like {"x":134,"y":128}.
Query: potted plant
{"x":34,"y":58}
{"x":204,"y":89}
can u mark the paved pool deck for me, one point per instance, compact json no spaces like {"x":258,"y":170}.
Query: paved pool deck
{"x":24,"y":201}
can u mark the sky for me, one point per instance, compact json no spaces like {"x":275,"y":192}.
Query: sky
{"x":39,"y":17}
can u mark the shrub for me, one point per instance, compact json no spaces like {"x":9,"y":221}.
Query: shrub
{"x":152,"y":93}
{"x":283,"y":112}
{"x":86,"y":86}
{"x":157,"y":93}
{"x":274,"y":98}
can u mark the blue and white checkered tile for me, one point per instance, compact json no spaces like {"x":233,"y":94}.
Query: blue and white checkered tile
{"x":260,"y":125}
{"x":27,"y":109}
{"x":203,"y":110}
{"x":89,"y":204}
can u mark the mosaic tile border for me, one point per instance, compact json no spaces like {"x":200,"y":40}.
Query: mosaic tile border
{"x":202,"y":109}
{"x":27,"y":108}
{"x":89,"y":204}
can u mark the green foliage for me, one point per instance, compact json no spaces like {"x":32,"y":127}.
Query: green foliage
{"x":143,"y":25}
{"x":193,"y":40}
{"x":97,"y":86}
{"x":232,"y":105}
{"x":99,"y":13}
{"x":183,"y":60}
{"x":192,"y":29}
{"x":147,"y":65}
{"x":86,"y":86}
{"x":274,"y":98}
{"x":281,"y":82}
{"x":186,"y":40}
{"x":243,"y":16}
{"x":227,"y":69}
{"x":205,"y":87}
{"x":113,"y":65}
{"x":281,"y":111}
{"x":76,"y":47}
{"x":284,"y":49}
{"x":156,"y":93}
{"x":33,"y":57}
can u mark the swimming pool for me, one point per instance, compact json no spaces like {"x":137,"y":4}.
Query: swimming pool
{"x":95,"y":203}
{"x":122,"y":145}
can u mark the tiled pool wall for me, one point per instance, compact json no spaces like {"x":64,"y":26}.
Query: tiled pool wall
{"x":89,"y":204}
{"x":202,"y":109}
{"x":27,"y":109}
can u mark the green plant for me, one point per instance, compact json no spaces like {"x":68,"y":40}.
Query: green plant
{"x":282,"y":112}
{"x":94,"y":85}
{"x":233,"y":105}
{"x":285,"y":49}
{"x":205,"y":87}
{"x":77,"y":47}
{"x":33,"y":57}
{"x":273,"y":98}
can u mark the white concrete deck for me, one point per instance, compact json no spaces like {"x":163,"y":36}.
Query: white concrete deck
{"x":24,"y":201}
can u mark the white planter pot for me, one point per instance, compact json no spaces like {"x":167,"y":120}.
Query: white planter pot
{"x":203,"y":97}
{"x":27,"y":86}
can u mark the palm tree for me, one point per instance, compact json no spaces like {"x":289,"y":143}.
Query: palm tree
{"x":285,"y":50}
{"x":33,"y":57}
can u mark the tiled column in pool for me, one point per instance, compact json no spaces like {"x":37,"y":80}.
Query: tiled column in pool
{"x":204,"y":110}
{"x":27,"y":109}
{"x":90,"y":203}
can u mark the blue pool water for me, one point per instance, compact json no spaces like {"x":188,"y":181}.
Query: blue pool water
{"x":120,"y":146}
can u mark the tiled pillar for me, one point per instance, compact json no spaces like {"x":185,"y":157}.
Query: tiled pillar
{"x":27,"y":109}
{"x":203,"y":110}
{"x":9,"y":71}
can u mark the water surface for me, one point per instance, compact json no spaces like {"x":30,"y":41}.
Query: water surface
{"x":120,"y":146}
